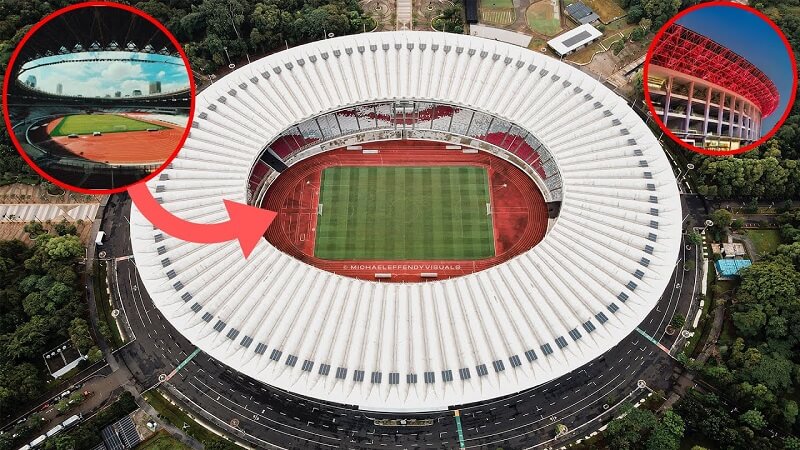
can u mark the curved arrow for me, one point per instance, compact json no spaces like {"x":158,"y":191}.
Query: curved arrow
{"x":247,"y":224}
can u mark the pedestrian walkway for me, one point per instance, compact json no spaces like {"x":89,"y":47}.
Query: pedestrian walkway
{"x":404,"y":14}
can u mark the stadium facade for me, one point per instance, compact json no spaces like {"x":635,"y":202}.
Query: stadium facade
{"x":604,"y":262}
{"x":706,"y":94}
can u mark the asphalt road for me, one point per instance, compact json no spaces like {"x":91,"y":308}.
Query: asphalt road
{"x":583,"y":400}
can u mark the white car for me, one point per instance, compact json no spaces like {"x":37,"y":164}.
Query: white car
{"x":97,"y":133}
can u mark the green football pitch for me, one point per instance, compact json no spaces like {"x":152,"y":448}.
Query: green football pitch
{"x":404,"y":213}
{"x":104,"y":123}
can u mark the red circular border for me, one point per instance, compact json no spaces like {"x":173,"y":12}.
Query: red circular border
{"x":672,"y":135}
{"x":52,"y":16}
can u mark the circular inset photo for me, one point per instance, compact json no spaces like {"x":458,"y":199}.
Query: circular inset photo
{"x":98,"y":96}
{"x":720,"y":78}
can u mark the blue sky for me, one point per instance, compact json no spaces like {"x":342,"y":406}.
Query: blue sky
{"x":98,"y":78}
{"x":748,"y":35}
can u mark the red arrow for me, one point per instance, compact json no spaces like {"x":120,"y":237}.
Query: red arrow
{"x":247,"y":224}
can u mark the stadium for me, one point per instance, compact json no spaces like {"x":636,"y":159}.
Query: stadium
{"x":706,"y":94}
{"x":460,"y":219}
{"x":95,"y":141}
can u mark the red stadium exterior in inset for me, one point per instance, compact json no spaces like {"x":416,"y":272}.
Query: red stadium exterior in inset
{"x":705,"y":93}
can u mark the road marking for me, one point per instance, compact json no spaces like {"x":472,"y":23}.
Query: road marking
{"x":457,"y":415}
{"x":183,"y":364}
{"x":653,"y":340}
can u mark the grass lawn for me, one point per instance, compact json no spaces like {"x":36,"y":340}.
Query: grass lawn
{"x":610,"y":39}
{"x":162,"y":441}
{"x":404,"y":213}
{"x":178,"y":418}
{"x":542,"y":19}
{"x":501,"y":4}
{"x":104,"y":123}
{"x":766,"y":241}
{"x":103,"y":304}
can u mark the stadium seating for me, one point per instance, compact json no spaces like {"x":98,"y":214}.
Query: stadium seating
{"x":541,"y":314}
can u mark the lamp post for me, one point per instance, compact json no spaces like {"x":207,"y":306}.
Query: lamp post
{"x":230,"y":64}
{"x":235,"y":30}
{"x":680,"y":177}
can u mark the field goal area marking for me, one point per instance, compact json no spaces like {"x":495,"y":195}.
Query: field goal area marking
{"x":488,"y":209}
{"x":319,"y":209}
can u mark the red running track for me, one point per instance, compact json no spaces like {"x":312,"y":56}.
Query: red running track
{"x":519,"y":212}
{"x":131,"y":147}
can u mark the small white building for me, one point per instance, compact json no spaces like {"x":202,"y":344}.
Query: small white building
{"x":574,"y":39}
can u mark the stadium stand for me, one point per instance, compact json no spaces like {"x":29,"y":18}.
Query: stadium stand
{"x":599,"y":270}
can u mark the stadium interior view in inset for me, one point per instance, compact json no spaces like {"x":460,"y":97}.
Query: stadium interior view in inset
{"x":459,"y":219}
{"x":93,"y":131}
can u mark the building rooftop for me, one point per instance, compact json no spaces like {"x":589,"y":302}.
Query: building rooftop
{"x":574,"y":38}
{"x":581,"y":13}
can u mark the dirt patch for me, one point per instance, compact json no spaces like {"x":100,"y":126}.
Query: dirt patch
{"x":544,"y":17}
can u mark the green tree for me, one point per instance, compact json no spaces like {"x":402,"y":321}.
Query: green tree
{"x":29,"y":340}
{"x":94,"y":355}
{"x":67,"y":247}
{"x":722,"y":219}
{"x":678,"y":320}
{"x":660,"y":11}
{"x":773,"y":371}
{"x":694,"y":238}
{"x":750,"y":322}
{"x":791,"y":443}
{"x":63,"y":228}
{"x":65,"y":442}
{"x":630,"y":431}
{"x":34,"y":229}
{"x":63,"y":405}
{"x":638,"y":34}
{"x":617,"y":47}
{"x":76,"y":398}
{"x":80,"y":335}
{"x":789,"y":413}
{"x":753,"y":419}
{"x":18,"y":383}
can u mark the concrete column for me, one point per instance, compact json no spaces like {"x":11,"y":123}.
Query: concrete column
{"x":688,"y":108}
{"x":667,"y":101}
{"x":741,"y":120}
{"x":730,"y":116}
{"x":758,"y":125}
{"x":750,"y":124}
{"x":708,"y":110}
{"x":719,"y":113}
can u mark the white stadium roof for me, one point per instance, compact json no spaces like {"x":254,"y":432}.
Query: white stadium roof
{"x":598,"y":272}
